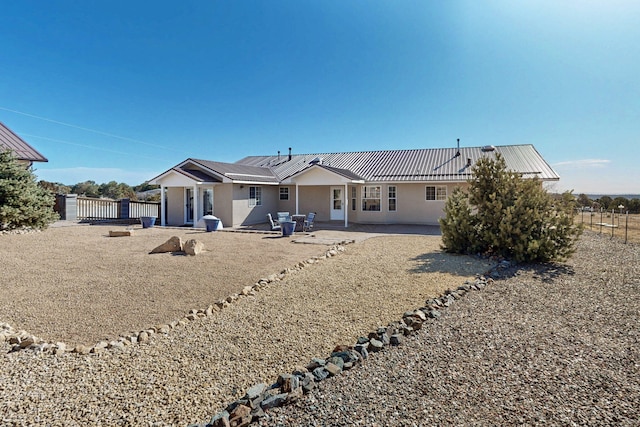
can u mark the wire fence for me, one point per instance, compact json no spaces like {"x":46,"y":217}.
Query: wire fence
{"x":615,"y":223}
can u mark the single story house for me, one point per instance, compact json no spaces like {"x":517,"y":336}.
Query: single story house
{"x":25,"y":153}
{"x":370,"y":187}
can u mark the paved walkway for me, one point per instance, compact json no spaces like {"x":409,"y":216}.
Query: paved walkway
{"x":331,"y":233}
{"x":324,"y":233}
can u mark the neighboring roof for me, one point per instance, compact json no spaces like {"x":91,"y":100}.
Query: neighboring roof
{"x":23,"y":151}
{"x":429,"y":164}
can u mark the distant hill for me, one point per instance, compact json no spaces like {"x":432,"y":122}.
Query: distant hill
{"x":613,"y":196}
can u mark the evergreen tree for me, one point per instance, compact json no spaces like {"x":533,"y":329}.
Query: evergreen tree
{"x":23,"y":203}
{"x":505,"y":214}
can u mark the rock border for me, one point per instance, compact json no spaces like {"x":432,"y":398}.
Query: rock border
{"x":288,"y":388}
{"x":22,"y":340}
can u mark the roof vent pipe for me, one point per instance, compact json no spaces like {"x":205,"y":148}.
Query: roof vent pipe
{"x":289,"y":153}
{"x":458,"y":152}
{"x":468,"y":162}
{"x":278,"y":155}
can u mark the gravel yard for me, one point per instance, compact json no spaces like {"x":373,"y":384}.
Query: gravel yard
{"x":551,"y":345}
{"x":193,"y":371}
{"x":77,"y":285}
{"x":554,"y":344}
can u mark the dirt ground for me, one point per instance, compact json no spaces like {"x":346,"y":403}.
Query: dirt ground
{"x":77,"y":285}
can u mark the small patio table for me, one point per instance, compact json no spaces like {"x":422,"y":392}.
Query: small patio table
{"x":299,"y":220}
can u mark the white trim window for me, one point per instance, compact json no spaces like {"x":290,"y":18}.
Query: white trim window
{"x":255,"y":196}
{"x":284,"y":193}
{"x":371,"y":198}
{"x":392,"y":198}
{"x":436,"y":192}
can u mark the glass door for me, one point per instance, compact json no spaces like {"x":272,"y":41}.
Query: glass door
{"x":207,"y":201}
{"x":188,"y":214}
{"x":337,"y":203}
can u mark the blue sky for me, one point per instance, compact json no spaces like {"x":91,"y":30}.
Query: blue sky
{"x":123,"y":90}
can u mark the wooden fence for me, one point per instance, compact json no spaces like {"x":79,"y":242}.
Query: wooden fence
{"x":74,"y":208}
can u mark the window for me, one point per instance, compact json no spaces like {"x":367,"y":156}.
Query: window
{"x":207,"y":201}
{"x":353,"y":198}
{"x":436,"y":193}
{"x":371,"y":198}
{"x":392,"y":198}
{"x":284,"y":193}
{"x":255,"y":196}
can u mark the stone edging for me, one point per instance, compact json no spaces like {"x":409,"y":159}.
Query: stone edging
{"x":22,"y":340}
{"x":290,"y":387}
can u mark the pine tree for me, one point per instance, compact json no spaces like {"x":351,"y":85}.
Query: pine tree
{"x":23,"y":203}
{"x":504,"y":214}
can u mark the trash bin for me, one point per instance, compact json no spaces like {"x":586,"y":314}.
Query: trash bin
{"x":211,"y":222}
{"x":147,"y":221}
{"x":287,"y":227}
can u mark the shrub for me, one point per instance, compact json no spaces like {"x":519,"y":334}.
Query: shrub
{"x":507,"y":215}
{"x":23,"y":203}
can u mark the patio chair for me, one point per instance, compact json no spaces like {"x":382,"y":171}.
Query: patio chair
{"x":283,"y":216}
{"x":308,"y":223}
{"x":275,"y":225}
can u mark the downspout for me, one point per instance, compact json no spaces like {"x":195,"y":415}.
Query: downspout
{"x":297,"y":199}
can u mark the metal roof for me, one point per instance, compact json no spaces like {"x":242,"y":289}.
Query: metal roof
{"x":23,"y":151}
{"x":238,"y":172}
{"x":418,"y":165}
{"x":196,"y":175}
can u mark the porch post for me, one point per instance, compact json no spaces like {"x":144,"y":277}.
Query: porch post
{"x":195,"y":206}
{"x":163,"y":220}
{"x":297,"y":211}
{"x":346,"y":206}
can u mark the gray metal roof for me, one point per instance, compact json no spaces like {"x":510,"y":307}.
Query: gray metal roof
{"x":196,"y":175}
{"x":239,"y":172}
{"x":23,"y":151}
{"x":418,"y":165}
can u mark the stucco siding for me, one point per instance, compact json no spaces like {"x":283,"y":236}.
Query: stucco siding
{"x":286,"y":205}
{"x":243,"y":214}
{"x":315,"y":199}
{"x":222,"y":206}
{"x":412,"y":207}
{"x":175,"y":206}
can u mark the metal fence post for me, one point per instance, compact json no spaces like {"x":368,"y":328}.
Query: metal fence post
{"x":626,"y":227}
{"x":601,"y":218}
{"x":613,"y":221}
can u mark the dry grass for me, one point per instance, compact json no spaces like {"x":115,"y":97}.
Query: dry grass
{"x":77,"y":285}
{"x":625,"y":226}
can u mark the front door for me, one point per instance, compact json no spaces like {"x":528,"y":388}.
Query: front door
{"x":337,"y":203}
